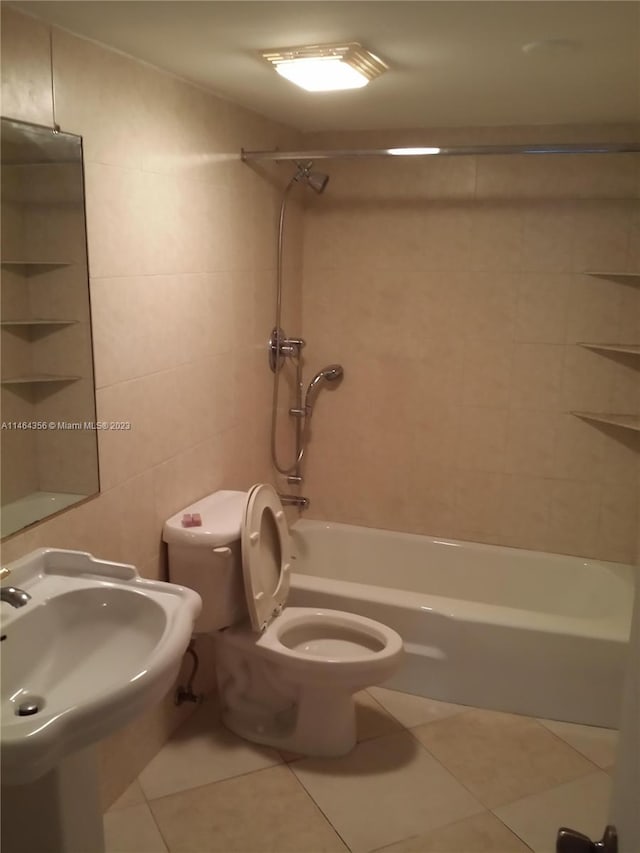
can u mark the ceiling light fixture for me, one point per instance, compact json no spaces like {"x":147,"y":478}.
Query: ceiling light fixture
{"x":412,"y":152}
{"x":326,"y":67}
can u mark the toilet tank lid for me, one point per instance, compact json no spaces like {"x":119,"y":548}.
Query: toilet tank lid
{"x":221,"y":514}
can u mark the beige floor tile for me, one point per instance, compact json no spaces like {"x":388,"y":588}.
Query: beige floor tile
{"x":387,"y":789}
{"x":372,"y":720}
{"x":200,"y":752}
{"x":598,"y":745}
{"x":263,"y":811}
{"x":132,"y":830}
{"x":413,"y":710}
{"x":582,"y":804}
{"x":482,"y":833}
{"x":133,"y":796}
{"x":501,"y":757}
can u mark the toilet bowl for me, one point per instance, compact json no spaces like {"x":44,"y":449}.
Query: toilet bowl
{"x":286,"y":675}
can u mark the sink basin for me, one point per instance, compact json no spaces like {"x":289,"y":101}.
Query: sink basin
{"x":95,"y":646}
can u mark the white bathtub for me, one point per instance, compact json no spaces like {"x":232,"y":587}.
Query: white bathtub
{"x":503,"y":628}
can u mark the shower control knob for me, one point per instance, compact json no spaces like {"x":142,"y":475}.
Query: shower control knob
{"x":294,"y":343}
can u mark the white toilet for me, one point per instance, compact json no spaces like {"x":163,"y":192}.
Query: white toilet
{"x":286,"y":676}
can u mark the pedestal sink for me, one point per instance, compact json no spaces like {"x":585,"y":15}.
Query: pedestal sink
{"x":94,"y":646}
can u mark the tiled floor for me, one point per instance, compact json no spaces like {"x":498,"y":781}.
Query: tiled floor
{"x":426,"y":777}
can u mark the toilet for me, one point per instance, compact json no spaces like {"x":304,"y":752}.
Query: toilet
{"x":286,"y":675}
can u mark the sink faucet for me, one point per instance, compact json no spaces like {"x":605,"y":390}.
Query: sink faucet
{"x":14,"y":596}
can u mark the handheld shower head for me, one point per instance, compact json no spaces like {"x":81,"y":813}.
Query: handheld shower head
{"x":332,"y":373}
{"x":316,"y":180}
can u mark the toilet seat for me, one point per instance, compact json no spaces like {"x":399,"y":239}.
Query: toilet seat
{"x":321,"y":637}
{"x":265,"y":555}
{"x":380,"y":647}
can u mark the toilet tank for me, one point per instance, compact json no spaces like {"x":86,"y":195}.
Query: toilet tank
{"x":208,"y":558}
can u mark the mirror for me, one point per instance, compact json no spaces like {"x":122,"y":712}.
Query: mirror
{"x":48,"y":438}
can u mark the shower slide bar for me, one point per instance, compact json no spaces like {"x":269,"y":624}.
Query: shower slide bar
{"x":451,"y":151}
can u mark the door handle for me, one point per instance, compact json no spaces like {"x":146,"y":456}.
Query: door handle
{"x":572,"y":841}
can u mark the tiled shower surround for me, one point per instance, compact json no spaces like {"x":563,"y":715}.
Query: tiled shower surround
{"x":451,"y":291}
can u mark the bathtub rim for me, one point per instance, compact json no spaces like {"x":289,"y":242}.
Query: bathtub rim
{"x":625,"y":571}
{"x":606,"y":628}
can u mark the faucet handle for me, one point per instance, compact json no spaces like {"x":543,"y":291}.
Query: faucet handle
{"x":4,"y":573}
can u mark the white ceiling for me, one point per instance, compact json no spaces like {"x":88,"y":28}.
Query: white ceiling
{"x":452,"y":62}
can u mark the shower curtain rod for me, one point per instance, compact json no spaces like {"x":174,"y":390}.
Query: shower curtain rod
{"x":450,"y":151}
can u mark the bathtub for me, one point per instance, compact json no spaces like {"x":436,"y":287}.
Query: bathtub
{"x":493,"y":627}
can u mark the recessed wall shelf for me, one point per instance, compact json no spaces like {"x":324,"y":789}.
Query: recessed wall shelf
{"x":631,"y":422}
{"x":626,"y":421}
{"x":633,"y":349}
{"x":34,"y":267}
{"x":37,"y":322}
{"x":38,"y":378}
{"x":42,"y":202}
{"x":627,"y":277}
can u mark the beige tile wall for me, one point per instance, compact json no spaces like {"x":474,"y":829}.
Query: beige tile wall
{"x":453,"y":292}
{"x":181,"y":257}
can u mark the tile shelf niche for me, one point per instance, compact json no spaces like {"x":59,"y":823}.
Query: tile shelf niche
{"x":42,"y":321}
{"x":29,"y":268}
{"x":625,"y":421}
{"x":630,"y":349}
{"x":627,"y":277}
{"x":37,"y":378}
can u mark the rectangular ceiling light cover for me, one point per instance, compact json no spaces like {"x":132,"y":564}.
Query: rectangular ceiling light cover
{"x":326,"y":67}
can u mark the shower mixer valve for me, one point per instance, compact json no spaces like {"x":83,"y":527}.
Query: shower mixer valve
{"x":281,"y":347}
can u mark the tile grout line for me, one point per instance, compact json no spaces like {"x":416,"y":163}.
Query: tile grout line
{"x":553,"y":787}
{"x":404,"y":729}
{"x":538,"y":794}
{"x":316,"y":805}
{"x":130,"y":808}
{"x":279,"y":763}
{"x":444,"y":767}
{"x":575,"y":749}
{"x":157,"y":825}
{"x":486,"y":809}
